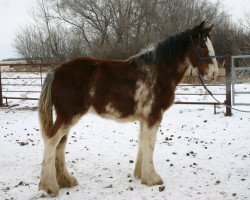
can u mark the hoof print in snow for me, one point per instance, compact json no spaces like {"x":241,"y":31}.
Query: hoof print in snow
{"x":23,"y":143}
{"x":109,"y":186}
{"x":217,"y":182}
{"x":20,"y":183}
{"x":130,"y":188}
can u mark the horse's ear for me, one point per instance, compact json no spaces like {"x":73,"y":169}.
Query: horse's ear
{"x":201,"y":26}
{"x":209,"y":29}
{"x":196,"y":31}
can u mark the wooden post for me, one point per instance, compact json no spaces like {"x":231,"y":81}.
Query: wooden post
{"x":1,"y":91}
{"x":228,"y":86}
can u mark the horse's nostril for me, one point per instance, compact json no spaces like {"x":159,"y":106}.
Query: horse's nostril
{"x":214,"y":74}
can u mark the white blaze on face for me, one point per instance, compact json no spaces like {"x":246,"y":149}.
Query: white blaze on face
{"x":212,"y":68}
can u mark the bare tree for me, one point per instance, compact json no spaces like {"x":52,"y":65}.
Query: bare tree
{"x":117,"y":28}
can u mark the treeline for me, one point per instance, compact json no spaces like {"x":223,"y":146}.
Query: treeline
{"x":120,"y":28}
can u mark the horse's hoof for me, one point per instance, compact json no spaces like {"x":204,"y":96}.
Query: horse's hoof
{"x":52,"y":190}
{"x":151,"y":179}
{"x":67,"y":181}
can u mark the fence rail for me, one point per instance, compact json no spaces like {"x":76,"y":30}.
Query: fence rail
{"x":23,"y":77}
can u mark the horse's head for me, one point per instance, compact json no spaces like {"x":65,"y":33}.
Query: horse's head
{"x":201,"y":52}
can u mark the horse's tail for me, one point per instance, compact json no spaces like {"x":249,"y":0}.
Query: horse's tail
{"x":45,"y":105}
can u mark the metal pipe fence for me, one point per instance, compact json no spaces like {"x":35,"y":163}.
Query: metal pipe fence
{"x":240,"y":67}
{"x":24,"y":82}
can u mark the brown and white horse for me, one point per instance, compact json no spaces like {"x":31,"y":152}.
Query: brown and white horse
{"x":139,"y":88}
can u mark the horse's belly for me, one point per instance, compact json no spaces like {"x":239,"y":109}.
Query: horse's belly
{"x":113,"y":114}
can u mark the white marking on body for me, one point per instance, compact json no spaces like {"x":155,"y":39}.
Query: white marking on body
{"x":143,"y":98}
{"x":149,"y":48}
{"x":112,"y":111}
{"x":91,"y":92}
{"x":113,"y":114}
{"x":212,"y":68}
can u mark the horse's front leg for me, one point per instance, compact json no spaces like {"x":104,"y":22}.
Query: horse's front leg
{"x":144,"y":167}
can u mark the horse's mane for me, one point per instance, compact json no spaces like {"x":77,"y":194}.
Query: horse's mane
{"x":173,"y":49}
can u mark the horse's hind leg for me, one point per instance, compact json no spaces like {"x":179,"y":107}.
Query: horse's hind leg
{"x":63,"y":177}
{"x":48,"y":181}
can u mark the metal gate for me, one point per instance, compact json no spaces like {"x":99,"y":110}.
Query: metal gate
{"x":240,"y":66}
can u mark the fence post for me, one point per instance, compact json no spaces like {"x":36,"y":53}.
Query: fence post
{"x":1,"y":91}
{"x":41,"y":76}
{"x":228,"y":86}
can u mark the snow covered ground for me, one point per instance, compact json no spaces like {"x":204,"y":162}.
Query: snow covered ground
{"x":199,"y":155}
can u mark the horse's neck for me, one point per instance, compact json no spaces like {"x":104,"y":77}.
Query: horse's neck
{"x":170,"y":75}
{"x":181,"y":70}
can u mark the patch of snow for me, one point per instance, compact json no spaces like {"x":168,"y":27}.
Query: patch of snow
{"x":199,"y":155}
